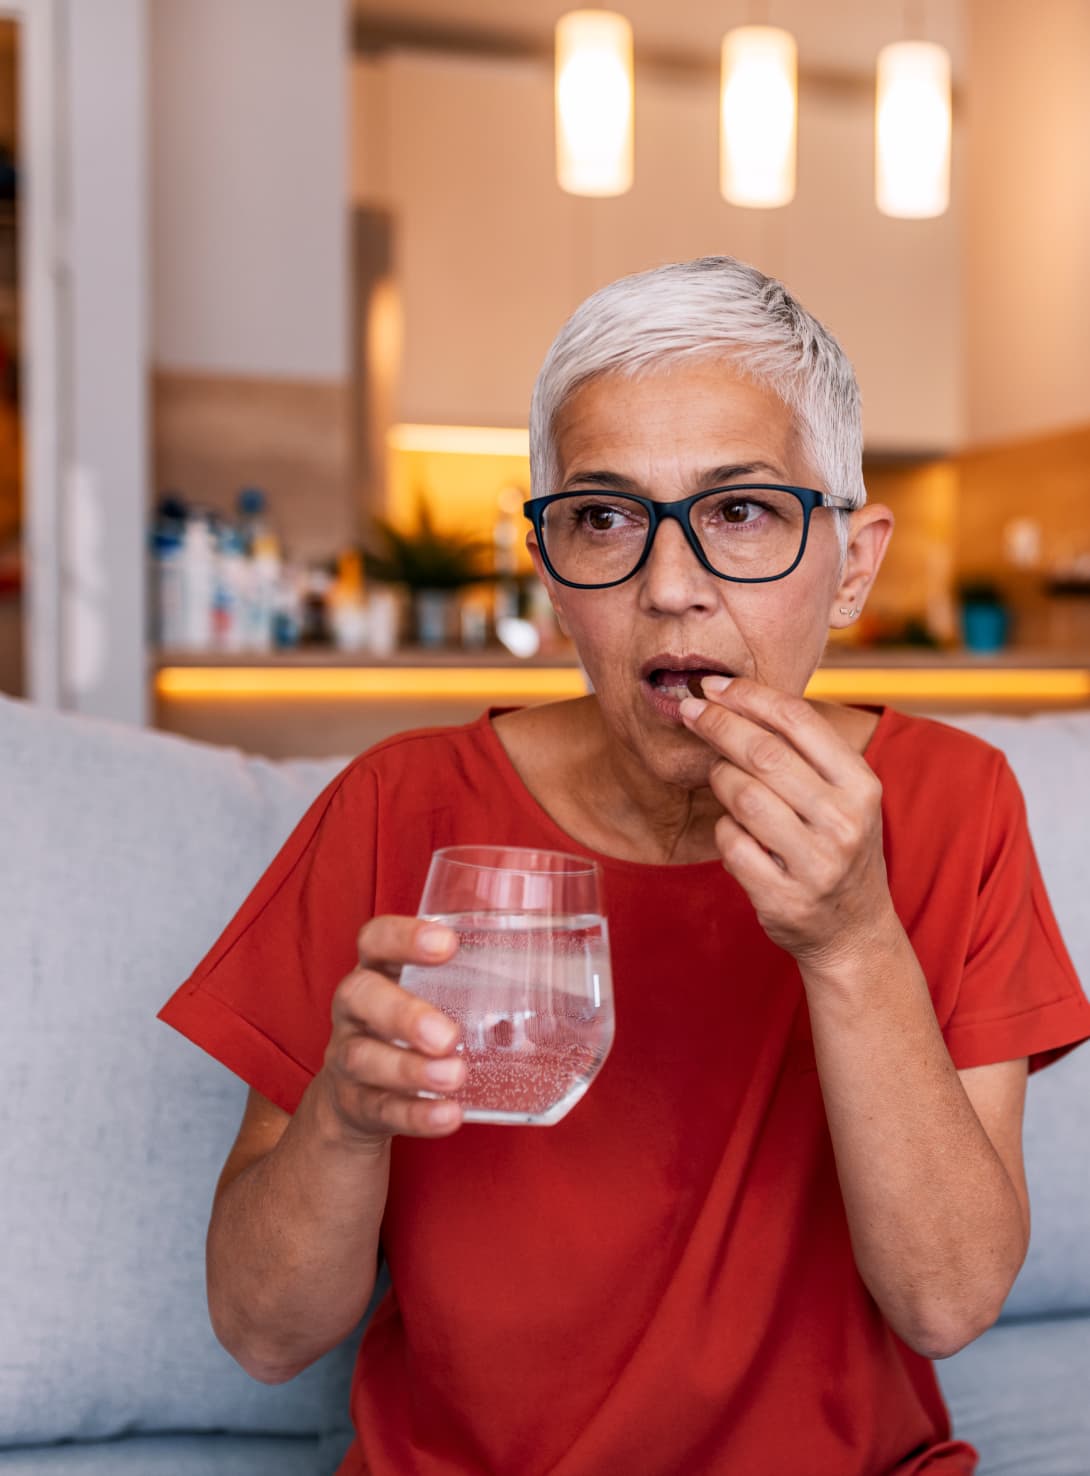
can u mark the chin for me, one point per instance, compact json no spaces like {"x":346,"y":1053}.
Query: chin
{"x":675,"y":758}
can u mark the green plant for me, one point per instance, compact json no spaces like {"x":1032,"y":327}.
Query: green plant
{"x":425,"y":558}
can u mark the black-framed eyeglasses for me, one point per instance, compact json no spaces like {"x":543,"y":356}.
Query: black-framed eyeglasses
{"x":749,"y":532}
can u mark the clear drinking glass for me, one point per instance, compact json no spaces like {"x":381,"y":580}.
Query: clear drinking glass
{"x":530,"y":985}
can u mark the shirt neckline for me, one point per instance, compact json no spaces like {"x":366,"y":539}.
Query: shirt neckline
{"x":563,"y":841}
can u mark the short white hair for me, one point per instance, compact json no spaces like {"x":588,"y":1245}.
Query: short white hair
{"x":712,"y":308}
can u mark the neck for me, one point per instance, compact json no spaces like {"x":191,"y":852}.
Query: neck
{"x":644,"y":818}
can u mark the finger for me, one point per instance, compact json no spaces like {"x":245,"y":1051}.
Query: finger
{"x":411,"y":1117}
{"x":767,"y":757}
{"x":796,"y":721}
{"x":764,"y":816}
{"x":370,"y":1062}
{"x":393,"y":941}
{"x":377,"y":1006}
{"x":749,"y":863}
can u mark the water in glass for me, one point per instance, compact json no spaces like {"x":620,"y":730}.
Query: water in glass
{"x":531,"y":989}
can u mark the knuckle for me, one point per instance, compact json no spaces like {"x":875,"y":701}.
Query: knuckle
{"x":844,"y":828}
{"x":749,"y":799}
{"x":411,"y":1011}
{"x":349,"y":995}
{"x":724,"y":829}
{"x":356,"y":1058}
{"x":411,"y":1070}
{"x":767,"y":754}
{"x":727,"y":837}
{"x":365,"y":938}
{"x":792,"y":712}
{"x":384,"y":939}
{"x":721,"y":776}
{"x":384,"y":1109}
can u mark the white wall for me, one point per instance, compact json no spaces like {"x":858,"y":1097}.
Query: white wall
{"x":492,"y":255}
{"x":1028,"y":219}
{"x":105,"y":335}
{"x":250,"y":271}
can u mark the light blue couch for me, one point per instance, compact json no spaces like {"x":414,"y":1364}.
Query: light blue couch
{"x":123,"y":855}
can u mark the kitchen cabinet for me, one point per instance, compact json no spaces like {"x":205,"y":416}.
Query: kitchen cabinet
{"x":492,"y":255}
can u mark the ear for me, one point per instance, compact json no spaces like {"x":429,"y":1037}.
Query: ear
{"x":549,"y":583}
{"x":869,"y":532}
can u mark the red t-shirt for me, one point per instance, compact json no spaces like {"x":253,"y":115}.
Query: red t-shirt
{"x":662,"y":1284}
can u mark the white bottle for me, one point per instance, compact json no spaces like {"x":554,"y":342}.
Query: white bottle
{"x":383,"y":621}
{"x":198,"y":581}
{"x":169,"y":623}
{"x":264,"y":590}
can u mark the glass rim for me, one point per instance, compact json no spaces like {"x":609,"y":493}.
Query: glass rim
{"x":584,"y":865}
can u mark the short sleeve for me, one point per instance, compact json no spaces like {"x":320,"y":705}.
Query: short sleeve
{"x":1019,"y":994}
{"x":259,"y":1001}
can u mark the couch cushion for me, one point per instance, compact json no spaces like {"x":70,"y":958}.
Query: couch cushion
{"x":172,"y":1455}
{"x":124,"y":855}
{"x":1019,"y":1395}
{"x":1050,"y":755}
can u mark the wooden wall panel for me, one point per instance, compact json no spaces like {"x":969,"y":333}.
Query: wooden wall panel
{"x":214,"y":434}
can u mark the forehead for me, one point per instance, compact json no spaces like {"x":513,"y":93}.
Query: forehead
{"x":680,"y":413}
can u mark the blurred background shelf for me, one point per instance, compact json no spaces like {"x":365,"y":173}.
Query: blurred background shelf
{"x":315,"y":702}
{"x":1012,"y":657}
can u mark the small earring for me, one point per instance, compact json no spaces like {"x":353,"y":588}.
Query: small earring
{"x":851,"y":614}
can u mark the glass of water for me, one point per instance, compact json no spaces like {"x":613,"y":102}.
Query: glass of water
{"x":530,"y":984}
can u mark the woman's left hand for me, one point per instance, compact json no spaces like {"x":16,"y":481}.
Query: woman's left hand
{"x":802,"y":825}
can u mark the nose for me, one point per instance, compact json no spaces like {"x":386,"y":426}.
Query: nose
{"x":674,"y":580}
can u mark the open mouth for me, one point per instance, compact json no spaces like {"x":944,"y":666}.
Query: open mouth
{"x":680,"y":677}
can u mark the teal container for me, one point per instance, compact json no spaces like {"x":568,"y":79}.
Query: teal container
{"x":984,"y":627}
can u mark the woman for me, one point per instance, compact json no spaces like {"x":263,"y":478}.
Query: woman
{"x":798,"y":1177}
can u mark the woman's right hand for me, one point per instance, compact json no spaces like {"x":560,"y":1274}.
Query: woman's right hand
{"x":371,"y":1084}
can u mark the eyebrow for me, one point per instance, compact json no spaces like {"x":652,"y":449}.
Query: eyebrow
{"x":715,"y":476}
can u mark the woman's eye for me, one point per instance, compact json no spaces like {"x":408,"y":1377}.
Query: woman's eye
{"x":599,"y":519}
{"x":740,"y":512}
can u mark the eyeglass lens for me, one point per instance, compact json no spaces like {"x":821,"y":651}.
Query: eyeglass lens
{"x":597,"y":538}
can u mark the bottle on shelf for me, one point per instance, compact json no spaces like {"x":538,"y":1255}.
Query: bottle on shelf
{"x":347,"y":608}
{"x":266,"y":572}
{"x":197,"y":566}
{"x":288,"y":611}
{"x":167,"y":557}
{"x":232,"y":591}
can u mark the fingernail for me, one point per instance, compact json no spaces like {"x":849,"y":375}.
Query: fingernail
{"x":713,"y":685}
{"x":436,"y":1032}
{"x":443,"y":1114}
{"x":691,"y":708}
{"x":446,"y":1073}
{"x":435,"y":940}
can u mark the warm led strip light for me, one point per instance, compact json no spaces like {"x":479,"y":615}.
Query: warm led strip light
{"x":846,"y":684}
{"x":854,"y":684}
{"x":480,"y":682}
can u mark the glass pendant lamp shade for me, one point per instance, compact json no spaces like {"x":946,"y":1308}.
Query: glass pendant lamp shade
{"x":912,"y":130}
{"x":758,"y":117}
{"x":594,"y":93}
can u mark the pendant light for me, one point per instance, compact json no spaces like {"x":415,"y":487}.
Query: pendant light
{"x":758,"y":116}
{"x":594,"y":128}
{"x":912,"y":130}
